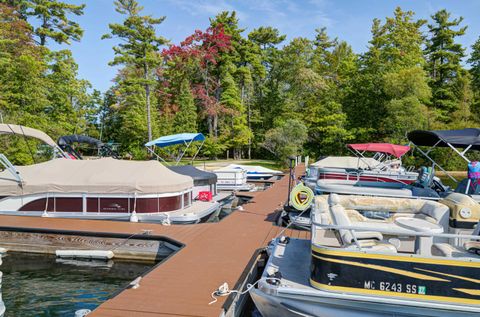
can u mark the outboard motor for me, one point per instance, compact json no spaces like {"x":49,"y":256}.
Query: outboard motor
{"x":425,"y":177}
{"x":464,"y":210}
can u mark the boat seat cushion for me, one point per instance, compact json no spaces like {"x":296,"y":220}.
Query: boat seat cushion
{"x":473,"y":247}
{"x":447,"y":250}
{"x":438,"y":212}
{"x":374,"y":245}
{"x":340,"y":218}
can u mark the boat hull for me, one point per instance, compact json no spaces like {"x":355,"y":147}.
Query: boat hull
{"x":417,"y":278}
{"x":295,"y":296}
{"x":325,"y":306}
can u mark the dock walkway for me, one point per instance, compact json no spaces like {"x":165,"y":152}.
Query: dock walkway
{"x":214,"y":253}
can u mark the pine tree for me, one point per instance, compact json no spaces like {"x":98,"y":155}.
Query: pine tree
{"x":474,"y":61}
{"x":186,"y":116}
{"x":444,"y":57}
{"x":392,"y":83}
{"x":140,"y":47}
{"x":51,"y":19}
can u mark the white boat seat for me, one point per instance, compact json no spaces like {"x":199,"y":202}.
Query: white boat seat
{"x":447,"y":250}
{"x":373,"y":245}
{"x":340,"y":218}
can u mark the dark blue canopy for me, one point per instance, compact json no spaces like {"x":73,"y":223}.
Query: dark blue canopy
{"x":458,"y":138}
{"x":181,"y":138}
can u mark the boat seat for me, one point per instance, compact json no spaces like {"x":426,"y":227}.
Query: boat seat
{"x":339,"y":217}
{"x":447,"y":250}
{"x":473,"y":247}
{"x":373,"y":245}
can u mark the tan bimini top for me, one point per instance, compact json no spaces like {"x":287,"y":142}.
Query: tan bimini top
{"x":30,"y":132}
{"x":346,"y":162}
{"x":101,"y":176}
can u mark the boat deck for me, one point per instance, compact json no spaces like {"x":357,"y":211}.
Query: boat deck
{"x":213,"y":253}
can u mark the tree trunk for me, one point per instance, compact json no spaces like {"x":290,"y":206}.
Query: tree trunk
{"x":147,"y":102}
{"x":43,"y":38}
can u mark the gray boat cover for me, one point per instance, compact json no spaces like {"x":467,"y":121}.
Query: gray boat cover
{"x":75,"y":138}
{"x":30,"y":132}
{"x":457,"y":138}
{"x":100,"y":176}
{"x":200,"y":178}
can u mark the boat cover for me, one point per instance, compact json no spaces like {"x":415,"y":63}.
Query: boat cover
{"x":252,"y":169}
{"x":30,"y":132}
{"x":392,"y":149}
{"x":199,"y":177}
{"x":457,"y":138}
{"x":182,"y":138}
{"x":101,"y":176}
{"x":75,"y":138}
{"x":346,"y":162}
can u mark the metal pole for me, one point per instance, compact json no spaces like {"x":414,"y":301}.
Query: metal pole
{"x":292,"y":160}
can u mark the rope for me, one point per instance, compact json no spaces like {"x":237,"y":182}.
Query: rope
{"x":223,"y":290}
{"x":301,"y":197}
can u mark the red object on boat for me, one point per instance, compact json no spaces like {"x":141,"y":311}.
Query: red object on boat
{"x":392,"y":149}
{"x":205,"y":196}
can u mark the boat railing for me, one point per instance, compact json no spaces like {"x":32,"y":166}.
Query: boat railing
{"x":10,"y":167}
{"x":402,"y":232}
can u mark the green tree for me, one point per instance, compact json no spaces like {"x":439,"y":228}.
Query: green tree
{"x":444,"y":57}
{"x":286,"y":139}
{"x":51,"y":19}
{"x":186,"y":117}
{"x":391,"y":84}
{"x":474,"y":61}
{"x":139,"y":48}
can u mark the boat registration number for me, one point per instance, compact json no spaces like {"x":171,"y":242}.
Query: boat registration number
{"x":395,"y":287}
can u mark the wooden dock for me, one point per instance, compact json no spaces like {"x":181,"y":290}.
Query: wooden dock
{"x":213,"y":253}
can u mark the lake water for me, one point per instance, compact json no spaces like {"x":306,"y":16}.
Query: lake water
{"x":42,"y":285}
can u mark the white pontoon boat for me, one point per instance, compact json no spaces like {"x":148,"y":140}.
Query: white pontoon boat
{"x":232,"y":179}
{"x":255,"y":172}
{"x":384,"y":166}
{"x":376,"y":257}
{"x":105,"y":188}
{"x":427,"y":185}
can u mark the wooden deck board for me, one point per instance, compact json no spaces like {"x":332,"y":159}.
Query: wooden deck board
{"x":214,"y":253}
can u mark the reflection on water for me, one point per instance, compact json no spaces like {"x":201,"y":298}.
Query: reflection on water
{"x":42,"y":285}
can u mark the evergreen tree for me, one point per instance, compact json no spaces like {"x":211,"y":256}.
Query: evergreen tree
{"x":51,"y":19}
{"x":444,"y":57}
{"x":186,"y":116}
{"x":475,"y":74}
{"x":392,"y":83}
{"x":140,"y":47}
{"x":474,"y":61}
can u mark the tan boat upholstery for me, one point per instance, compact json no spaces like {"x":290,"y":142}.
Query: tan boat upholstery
{"x":340,"y":218}
{"x":447,"y":250}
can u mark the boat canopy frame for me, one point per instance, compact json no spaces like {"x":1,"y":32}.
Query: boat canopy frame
{"x":185,"y":139}
{"x":383,"y":152}
{"x":15,"y":129}
{"x":466,"y":139}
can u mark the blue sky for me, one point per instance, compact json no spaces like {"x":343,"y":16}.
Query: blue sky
{"x":349,"y":20}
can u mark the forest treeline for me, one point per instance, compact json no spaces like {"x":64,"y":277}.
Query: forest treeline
{"x":253,"y":93}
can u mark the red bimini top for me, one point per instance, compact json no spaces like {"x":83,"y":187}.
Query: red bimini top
{"x":392,"y":149}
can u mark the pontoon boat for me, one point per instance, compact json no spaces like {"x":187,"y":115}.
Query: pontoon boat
{"x":255,"y":172}
{"x":105,"y":188}
{"x":384,"y":166}
{"x":232,"y":179}
{"x":376,"y":257}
